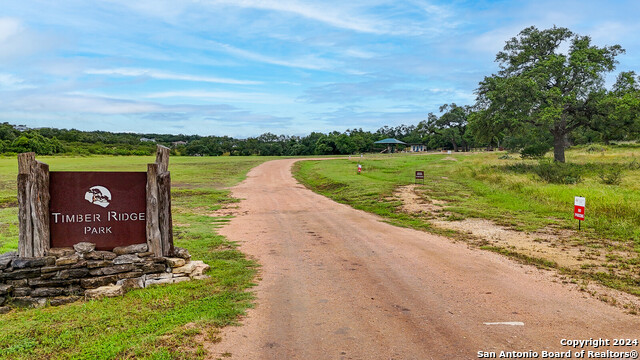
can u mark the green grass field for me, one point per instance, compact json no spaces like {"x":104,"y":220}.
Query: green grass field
{"x":161,"y":322}
{"x":509,"y":193}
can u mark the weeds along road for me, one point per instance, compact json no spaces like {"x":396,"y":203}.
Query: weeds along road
{"x":338,"y":283}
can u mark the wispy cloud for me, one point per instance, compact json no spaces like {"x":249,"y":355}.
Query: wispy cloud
{"x":333,"y":15}
{"x":12,"y":82}
{"x":224,"y":96}
{"x":77,"y":103}
{"x":309,"y":62}
{"x":454,"y":95}
{"x":156,"y":74}
{"x":9,"y":27}
{"x":391,"y":88}
{"x":348,"y":117}
{"x":492,"y":41}
{"x":359,"y":53}
{"x":18,"y":41}
{"x":117,"y":114}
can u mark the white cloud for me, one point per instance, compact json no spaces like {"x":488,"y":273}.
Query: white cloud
{"x":333,"y":15}
{"x":135,"y":72}
{"x":454,"y":95}
{"x":309,"y":62}
{"x":12,"y":82}
{"x":76,"y":103}
{"x":18,"y":42}
{"x":611,"y":32}
{"x":226,"y":96}
{"x":359,"y":53}
{"x":88,"y":112}
{"x":9,"y":27}
{"x":166,"y":9}
{"x":493,"y":41}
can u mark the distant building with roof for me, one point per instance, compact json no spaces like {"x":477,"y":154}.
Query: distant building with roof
{"x":417,"y":147}
{"x":391,"y":144}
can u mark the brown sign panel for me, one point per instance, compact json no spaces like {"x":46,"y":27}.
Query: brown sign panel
{"x":105,"y":208}
{"x":420,"y":175}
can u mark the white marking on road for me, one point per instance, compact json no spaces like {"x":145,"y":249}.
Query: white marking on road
{"x":512,"y":323}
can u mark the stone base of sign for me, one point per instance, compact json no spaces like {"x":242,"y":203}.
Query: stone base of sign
{"x":66,"y":275}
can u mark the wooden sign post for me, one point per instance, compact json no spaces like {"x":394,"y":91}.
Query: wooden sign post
{"x":159,"y":222}
{"x":33,"y":205}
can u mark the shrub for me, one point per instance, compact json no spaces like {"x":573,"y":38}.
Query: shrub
{"x":558,"y":173}
{"x":520,"y":168}
{"x":612,"y":176}
{"x":633,"y":165}
{"x":534,"y":151}
{"x":596,"y":148}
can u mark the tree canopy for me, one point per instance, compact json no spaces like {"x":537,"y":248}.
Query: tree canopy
{"x":452,"y":125}
{"x":540,"y":87}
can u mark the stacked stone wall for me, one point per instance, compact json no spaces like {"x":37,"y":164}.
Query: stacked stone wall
{"x":66,"y":275}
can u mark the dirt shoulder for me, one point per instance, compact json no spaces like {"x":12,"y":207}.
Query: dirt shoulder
{"x":555,"y":247}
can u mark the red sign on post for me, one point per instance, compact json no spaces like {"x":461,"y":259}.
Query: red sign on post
{"x":419,"y":175}
{"x":578,"y":208}
{"x":105,"y":208}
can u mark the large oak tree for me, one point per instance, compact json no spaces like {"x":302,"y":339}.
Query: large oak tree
{"x":452,"y":125}
{"x":549,"y":80}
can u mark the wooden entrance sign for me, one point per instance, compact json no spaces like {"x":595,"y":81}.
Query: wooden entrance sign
{"x":104,"y":208}
{"x":109,"y":209}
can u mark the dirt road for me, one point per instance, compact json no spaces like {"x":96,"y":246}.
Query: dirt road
{"x":338,"y":283}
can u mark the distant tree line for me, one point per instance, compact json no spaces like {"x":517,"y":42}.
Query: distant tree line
{"x":541,"y":99}
{"x":49,"y":141}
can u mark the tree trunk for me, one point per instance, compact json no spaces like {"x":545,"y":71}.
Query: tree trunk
{"x":455,"y":146}
{"x":559,"y":138}
{"x":558,"y":147}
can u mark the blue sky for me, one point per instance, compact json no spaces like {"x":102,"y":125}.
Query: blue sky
{"x":245,"y":67}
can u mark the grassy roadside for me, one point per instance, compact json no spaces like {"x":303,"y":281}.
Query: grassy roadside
{"x":162,"y":322}
{"x":507,"y":192}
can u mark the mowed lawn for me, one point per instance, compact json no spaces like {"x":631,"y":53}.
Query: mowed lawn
{"x":506,"y":190}
{"x":161,"y":322}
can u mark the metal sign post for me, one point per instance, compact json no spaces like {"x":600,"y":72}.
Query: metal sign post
{"x":419,"y":176}
{"x":578,"y":209}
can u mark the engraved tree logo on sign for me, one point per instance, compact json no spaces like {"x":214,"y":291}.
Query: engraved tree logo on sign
{"x":98,"y":195}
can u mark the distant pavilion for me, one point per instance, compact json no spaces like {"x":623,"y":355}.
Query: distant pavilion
{"x":391,"y":144}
